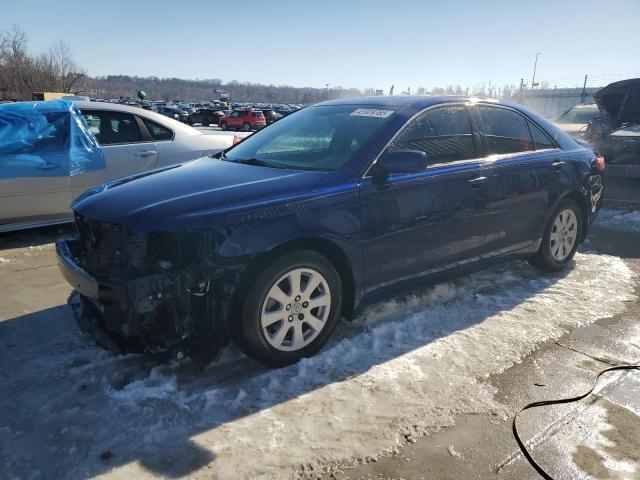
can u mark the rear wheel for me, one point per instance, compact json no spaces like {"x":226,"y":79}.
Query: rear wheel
{"x":561,"y":238}
{"x":224,"y":126}
{"x":246,"y":127}
{"x":205,"y":123}
{"x":291,"y":309}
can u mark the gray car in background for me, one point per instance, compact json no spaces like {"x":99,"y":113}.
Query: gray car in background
{"x":132,"y":140}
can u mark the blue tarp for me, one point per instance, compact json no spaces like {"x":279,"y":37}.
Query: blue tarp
{"x":46,"y":139}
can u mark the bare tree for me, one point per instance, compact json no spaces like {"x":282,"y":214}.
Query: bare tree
{"x":21,"y":74}
{"x":66,"y":69}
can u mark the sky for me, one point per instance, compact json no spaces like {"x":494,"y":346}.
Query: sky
{"x":358,"y":43}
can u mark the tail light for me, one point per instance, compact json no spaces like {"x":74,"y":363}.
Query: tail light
{"x":235,"y":140}
{"x":598,"y":162}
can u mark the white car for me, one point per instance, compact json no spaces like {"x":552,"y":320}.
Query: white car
{"x":132,"y":139}
{"x":574,"y":121}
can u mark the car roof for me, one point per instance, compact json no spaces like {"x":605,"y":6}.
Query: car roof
{"x":141,"y":112}
{"x":415,"y":102}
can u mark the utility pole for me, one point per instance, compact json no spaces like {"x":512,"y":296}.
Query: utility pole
{"x":584,"y":89}
{"x":521,"y":87}
{"x":533,"y":79}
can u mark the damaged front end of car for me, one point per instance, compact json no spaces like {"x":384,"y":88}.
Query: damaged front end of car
{"x":151,"y":292}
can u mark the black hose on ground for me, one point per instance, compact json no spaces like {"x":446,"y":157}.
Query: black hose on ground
{"x":543,"y":403}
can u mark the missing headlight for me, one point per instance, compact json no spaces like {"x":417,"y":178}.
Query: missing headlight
{"x":173,"y":252}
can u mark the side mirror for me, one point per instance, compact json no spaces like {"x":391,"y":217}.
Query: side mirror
{"x":404,"y":161}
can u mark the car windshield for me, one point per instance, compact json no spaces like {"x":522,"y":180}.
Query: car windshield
{"x":579,"y":115}
{"x":325,"y":137}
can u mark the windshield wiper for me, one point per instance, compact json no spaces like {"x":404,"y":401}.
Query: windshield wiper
{"x":257,"y":162}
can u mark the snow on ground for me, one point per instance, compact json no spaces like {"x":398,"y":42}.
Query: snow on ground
{"x":401,"y":369}
{"x":615,"y":219}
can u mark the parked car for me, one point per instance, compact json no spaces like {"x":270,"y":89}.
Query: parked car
{"x":305,"y":221}
{"x":246,"y":120}
{"x":617,"y":132}
{"x":173,"y":112}
{"x":205,"y":117}
{"x":271,"y":115}
{"x":37,"y":189}
{"x":574,"y":121}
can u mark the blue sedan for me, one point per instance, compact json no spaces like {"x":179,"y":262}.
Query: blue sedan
{"x":306,"y":221}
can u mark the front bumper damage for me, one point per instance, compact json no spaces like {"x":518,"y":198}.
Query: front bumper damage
{"x":126,"y":300}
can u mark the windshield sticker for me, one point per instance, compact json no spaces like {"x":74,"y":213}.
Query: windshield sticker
{"x":371,"y":112}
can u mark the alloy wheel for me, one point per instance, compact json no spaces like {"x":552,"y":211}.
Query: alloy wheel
{"x":563,"y":234}
{"x":295,"y":309}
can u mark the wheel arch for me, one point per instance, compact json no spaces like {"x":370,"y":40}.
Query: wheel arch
{"x":330,"y":250}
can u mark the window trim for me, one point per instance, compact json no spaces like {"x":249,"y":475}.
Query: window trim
{"x":474,"y":132}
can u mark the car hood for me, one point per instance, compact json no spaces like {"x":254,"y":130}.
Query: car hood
{"x":571,"y":127}
{"x":620,"y":101}
{"x":186,"y":196}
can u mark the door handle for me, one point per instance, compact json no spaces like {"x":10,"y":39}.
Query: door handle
{"x":145,"y":153}
{"x":557,"y":165}
{"x":474,"y":182}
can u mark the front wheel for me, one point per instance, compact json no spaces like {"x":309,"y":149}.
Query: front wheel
{"x":246,"y":127}
{"x":561,"y":238}
{"x":291,"y":309}
{"x":224,"y":126}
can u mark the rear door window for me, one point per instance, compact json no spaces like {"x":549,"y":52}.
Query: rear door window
{"x":443,"y":133}
{"x":506,"y":131}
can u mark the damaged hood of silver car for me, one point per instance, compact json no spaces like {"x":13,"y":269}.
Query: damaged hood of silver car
{"x":620,"y":102}
{"x":187,"y":195}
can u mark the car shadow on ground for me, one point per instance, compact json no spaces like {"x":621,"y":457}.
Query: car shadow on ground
{"x":69,"y":409}
{"x":35,"y":236}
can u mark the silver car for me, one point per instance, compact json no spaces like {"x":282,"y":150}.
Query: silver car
{"x":132,"y":140}
{"x":574,"y":121}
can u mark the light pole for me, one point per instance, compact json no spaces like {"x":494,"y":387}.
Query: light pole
{"x":533,"y":79}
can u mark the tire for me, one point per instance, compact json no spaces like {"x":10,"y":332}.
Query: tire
{"x":279,"y":333}
{"x":246,"y":127}
{"x":224,"y":126}
{"x":189,"y":121}
{"x":205,"y":123}
{"x":561,"y":238}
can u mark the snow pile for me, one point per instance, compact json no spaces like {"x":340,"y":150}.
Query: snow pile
{"x":4,"y":260}
{"x":613,"y":219}
{"x":404,"y":368}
